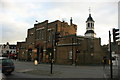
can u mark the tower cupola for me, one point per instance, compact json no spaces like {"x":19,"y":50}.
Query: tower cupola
{"x":90,"y":26}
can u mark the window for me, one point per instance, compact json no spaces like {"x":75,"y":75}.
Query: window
{"x":91,"y":24}
{"x":88,"y":24}
{"x":70,"y":55}
{"x":39,"y":34}
{"x":42,"y":34}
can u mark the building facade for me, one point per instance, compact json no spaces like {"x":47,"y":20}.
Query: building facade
{"x":8,"y":49}
{"x":79,"y":50}
{"x":71,"y":49}
{"x":40,"y":40}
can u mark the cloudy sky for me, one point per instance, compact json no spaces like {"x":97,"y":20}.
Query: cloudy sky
{"x":16,"y":16}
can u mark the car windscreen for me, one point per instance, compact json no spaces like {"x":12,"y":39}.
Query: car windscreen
{"x":6,"y":62}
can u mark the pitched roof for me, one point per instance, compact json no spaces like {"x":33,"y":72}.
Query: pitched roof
{"x":89,"y":31}
{"x":90,"y":18}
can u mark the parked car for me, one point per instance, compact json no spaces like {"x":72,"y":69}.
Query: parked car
{"x":7,"y":65}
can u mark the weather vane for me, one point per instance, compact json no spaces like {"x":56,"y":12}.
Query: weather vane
{"x":89,"y":10}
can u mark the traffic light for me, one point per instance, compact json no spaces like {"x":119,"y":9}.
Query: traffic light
{"x":115,"y":35}
{"x":57,"y":36}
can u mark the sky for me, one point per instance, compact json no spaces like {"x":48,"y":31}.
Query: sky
{"x":17,"y":16}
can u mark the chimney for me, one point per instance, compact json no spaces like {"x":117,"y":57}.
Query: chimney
{"x":71,"y":21}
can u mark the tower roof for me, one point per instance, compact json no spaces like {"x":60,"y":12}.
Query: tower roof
{"x":90,"y":18}
{"x":90,"y":31}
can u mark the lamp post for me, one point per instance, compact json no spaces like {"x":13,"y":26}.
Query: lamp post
{"x":92,"y":57}
{"x":51,"y":63}
{"x":72,"y":52}
{"x":111,"y":71}
{"x":52,"y":54}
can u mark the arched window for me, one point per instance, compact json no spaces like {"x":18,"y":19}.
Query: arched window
{"x":91,"y":24}
{"x":88,"y":24}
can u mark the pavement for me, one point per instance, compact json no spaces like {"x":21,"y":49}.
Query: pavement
{"x":107,"y":72}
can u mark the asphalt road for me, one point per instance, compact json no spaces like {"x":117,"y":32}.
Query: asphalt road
{"x":29,"y":70}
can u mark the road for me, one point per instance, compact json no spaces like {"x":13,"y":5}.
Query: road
{"x":29,"y":70}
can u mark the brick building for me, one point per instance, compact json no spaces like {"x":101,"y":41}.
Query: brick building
{"x":71,"y":49}
{"x":40,"y":40}
{"x":79,"y":50}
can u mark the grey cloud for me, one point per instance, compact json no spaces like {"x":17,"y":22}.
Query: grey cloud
{"x":16,"y":25}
